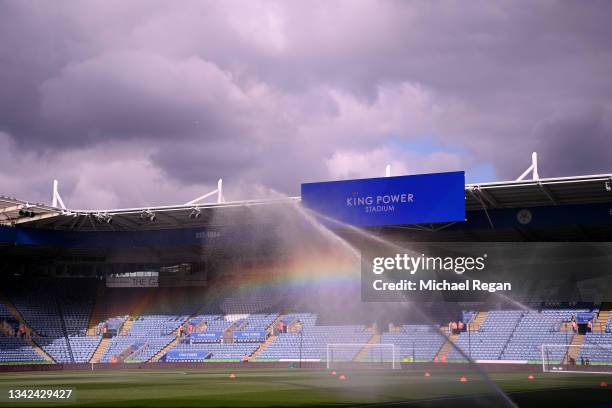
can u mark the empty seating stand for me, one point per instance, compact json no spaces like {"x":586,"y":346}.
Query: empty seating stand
{"x":489,"y":342}
{"x":416,"y":342}
{"x":537,"y":328}
{"x":16,"y":350}
{"x":153,"y":331}
{"x":311,"y":342}
{"x":60,"y":319}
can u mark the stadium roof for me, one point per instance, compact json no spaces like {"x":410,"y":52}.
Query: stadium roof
{"x":512,"y":194}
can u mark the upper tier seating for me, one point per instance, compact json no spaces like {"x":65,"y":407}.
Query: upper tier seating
{"x":216,"y":323}
{"x":40,"y":309}
{"x":306,"y":319}
{"x":259,"y":321}
{"x":258,"y":300}
{"x":5,"y":313}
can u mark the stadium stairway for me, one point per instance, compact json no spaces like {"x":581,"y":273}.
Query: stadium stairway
{"x":279,"y":318}
{"x":446,"y":348}
{"x":41,"y":352}
{"x":602,"y":318}
{"x":18,"y":316}
{"x":102,"y":346}
{"x":200,"y":327}
{"x":14,"y":312}
{"x":263,"y":346}
{"x":127,"y":325}
{"x":130,"y":352}
{"x":271,"y":339}
{"x":573,"y":352}
{"x":294,"y":327}
{"x":97,"y":313}
{"x":477,"y":321}
{"x":157,"y":356}
{"x":375,"y":339}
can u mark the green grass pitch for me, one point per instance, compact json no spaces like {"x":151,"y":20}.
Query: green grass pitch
{"x":297,"y":387}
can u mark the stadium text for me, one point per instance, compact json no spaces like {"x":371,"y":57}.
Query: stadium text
{"x":411,"y":264}
{"x":380,"y":203}
{"x":434,"y":285}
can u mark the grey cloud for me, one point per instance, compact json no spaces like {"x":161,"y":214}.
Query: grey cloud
{"x":579,"y":135}
{"x":271,"y":92}
{"x":135,"y":94}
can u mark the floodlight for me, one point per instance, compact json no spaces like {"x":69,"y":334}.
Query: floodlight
{"x":148,"y":215}
{"x":103,"y":217}
{"x":24,"y":212}
{"x":195,"y":213}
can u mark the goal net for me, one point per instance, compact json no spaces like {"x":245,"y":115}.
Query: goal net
{"x":573,"y":358}
{"x":366,"y":355}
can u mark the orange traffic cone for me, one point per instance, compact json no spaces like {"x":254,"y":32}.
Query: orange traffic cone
{"x":531,"y":377}
{"x":427,"y":375}
{"x":463,"y":379}
{"x":342,"y":377}
{"x":333,"y":373}
{"x":232,"y":376}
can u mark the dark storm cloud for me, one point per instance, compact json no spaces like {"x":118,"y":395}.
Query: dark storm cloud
{"x":282,"y":92}
{"x":582,"y":135}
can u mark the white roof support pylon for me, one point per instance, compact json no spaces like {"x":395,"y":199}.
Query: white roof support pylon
{"x":56,"y":197}
{"x":388,"y":170}
{"x":533,"y":168}
{"x":218,"y":192}
{"x":220,"y":198}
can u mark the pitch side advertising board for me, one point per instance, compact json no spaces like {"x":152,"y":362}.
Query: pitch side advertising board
{"x":416,"y":199}
{"x":187,"y":356}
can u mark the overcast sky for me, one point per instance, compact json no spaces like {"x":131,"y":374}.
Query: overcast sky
{"x":149,"y":102}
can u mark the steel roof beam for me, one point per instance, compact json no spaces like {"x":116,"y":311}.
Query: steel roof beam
{"x":12,"y":208}
{"x":484,"y":207}
{"x":548,"y":193}
{"x":487,"y":196}
{"x":26,"y":220}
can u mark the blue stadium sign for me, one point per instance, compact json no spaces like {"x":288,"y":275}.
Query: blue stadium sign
{"x":249,"y":336}
{"x":417,"y":199}
{"x":187,"y":356}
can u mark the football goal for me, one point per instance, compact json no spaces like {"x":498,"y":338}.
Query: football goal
{"x":574,"y":358}
{"x":364,"y":355}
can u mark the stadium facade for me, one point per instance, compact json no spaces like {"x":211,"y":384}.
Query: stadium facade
{"x":229,"y":281}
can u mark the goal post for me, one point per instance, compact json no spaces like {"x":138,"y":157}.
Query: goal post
{"x":577,"y":358}
{"x":362,"y":355}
